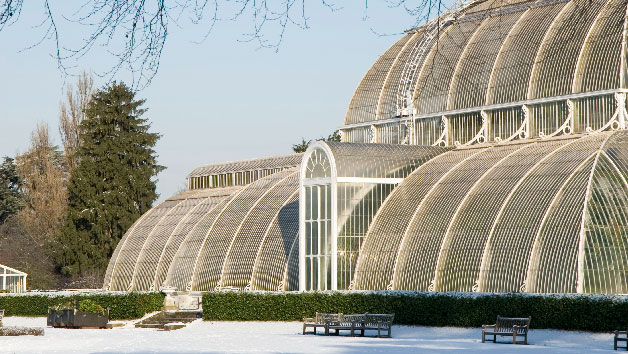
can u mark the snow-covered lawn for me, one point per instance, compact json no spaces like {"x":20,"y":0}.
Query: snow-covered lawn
{"x":285,"y":337}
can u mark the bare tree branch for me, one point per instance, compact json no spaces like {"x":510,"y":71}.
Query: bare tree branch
{"x":134,"y":32}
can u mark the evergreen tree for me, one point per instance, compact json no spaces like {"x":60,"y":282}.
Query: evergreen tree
{"x":304,"y":144}
{"x":114,"y":182}
{"x":11,"y":196}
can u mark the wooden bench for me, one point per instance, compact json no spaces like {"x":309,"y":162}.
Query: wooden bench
{"x":507,"y":326}
{"x":620,"y":336}
{"x":379,"y":322}
{"x":364,"y":322}
{"x":347,"y":323}
{"x":321,"y":320}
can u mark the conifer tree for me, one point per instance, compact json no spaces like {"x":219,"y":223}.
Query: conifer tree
{"x":114,"y":182}
{"x":11,"y":195}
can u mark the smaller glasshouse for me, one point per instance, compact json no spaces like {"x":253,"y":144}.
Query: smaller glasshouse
{"x":13,"y":280}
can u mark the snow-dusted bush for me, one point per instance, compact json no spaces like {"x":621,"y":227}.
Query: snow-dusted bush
{"x":581,"y":312}
{"x":21,"y":331}
{"x":121,"y":305}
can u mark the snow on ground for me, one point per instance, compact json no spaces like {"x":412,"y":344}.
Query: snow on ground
{"x":285,"y":337}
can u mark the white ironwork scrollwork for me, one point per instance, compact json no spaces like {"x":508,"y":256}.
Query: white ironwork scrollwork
{"x":443,"y":139}
{"x":372,"y":134}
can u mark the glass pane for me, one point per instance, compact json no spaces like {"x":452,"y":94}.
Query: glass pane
{"x":314,"y":202}
{"x":328,"y":187}
{"x":308,"y":198}
{"x":328,"y":235}
{"x":323,"y":201}
{"x":308,"y":274}
{"x":328,"y":261}
{"x":323,"y":273}
{"x":315,"y":274}
{"x":308,"y":238}
{"x":315,"y":238}
{"x":323,"y":237}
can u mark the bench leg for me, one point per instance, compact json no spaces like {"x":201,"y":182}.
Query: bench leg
{"x":615,"y":343}
{"x":483,"y":337}
{"x":326,"y":330}
{"x":514,"y":337}
{"x":304,"y":330}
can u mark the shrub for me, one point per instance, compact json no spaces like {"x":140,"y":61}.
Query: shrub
{"x":572,"y":312}
{"x":21,"y":331}
{"x":121,"y":305}
{"x":88,"y":305}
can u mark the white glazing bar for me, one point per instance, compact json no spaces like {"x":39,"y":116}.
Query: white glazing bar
{"x":388,"y":74}
{"x":535,"y":66}
{"x":425,"y":197}
{"x":623,"y":69}
{"x":498,"y":59}
{"x":260,"y":199}
{"x":581,"y":242}
{"x":448,"y":232}
{"x":585,"y":43}
{"x":461,"y":61}
{"x":485,"y":254}
{"x":268,"y":230}
{"x":549,"y":210}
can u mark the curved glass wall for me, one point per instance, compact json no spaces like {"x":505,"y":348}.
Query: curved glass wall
{"x":532,"y":216}
{"x":214,"y":238}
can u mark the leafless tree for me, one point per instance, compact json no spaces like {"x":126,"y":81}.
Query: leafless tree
{"x":71,"y":114}
{"x":45,"y":185}
{"x":140,"y":28}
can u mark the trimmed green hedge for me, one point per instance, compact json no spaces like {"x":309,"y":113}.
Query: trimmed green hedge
{"x":573,"y":312}
{"x":121,"y":305}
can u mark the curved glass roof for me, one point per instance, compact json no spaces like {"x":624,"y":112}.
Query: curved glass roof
{"x":496,"y":52}
{"x":507,"y":218}
{"x":236,"y":237}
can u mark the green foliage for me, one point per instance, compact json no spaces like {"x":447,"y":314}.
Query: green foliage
{"x":334,"y":137}
{"x":88,"y":305}
{"x":121,"y":306}
{"x":304,"y":144}
{"x":114,"y":182}
{"x":572,"y":312}
{"x":11,"y":195}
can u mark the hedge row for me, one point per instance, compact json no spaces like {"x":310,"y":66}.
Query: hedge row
{"x":121,"y":305}
{"x":572,"y":312}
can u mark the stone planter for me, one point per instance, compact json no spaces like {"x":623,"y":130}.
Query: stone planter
{"x":72,"y":318}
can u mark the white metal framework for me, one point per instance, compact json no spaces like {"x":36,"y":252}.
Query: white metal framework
{"x":484,"y":151}
{"x":205,"y":239}
{"x":342,"y":187}
{"x":527,"y":69}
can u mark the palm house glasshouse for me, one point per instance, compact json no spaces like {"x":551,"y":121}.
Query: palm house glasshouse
{"x":484,"y":151}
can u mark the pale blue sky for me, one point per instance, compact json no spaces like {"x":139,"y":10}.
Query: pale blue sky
{"x":215,"y":101}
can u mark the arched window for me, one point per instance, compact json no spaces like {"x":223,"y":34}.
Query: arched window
{"x":317,"y":201}
{"x":318,"y":165}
